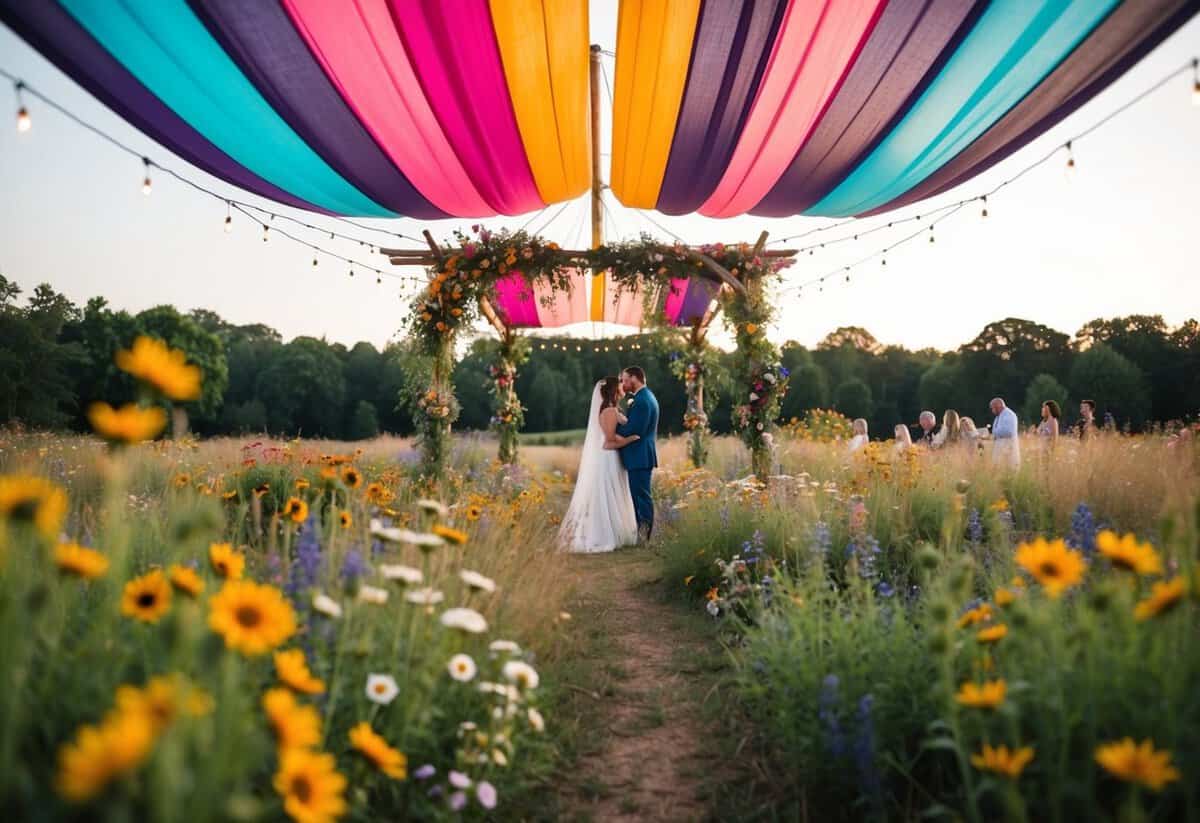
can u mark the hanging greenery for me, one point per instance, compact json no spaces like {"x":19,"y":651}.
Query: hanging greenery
{"x":508,"y":415}
{"x":694,"y":365}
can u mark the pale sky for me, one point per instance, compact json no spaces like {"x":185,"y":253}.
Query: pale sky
{"x":1120,"y":238}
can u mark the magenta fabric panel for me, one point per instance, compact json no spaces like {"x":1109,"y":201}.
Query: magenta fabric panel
{"x":732,"y":47}
{"x":903,"y":54}
{"x":515,"y":301}
{"x":360,"y":50}
{"x":453,"y":48}
{"x":1125,"y":37}
{"x":673,"y":305}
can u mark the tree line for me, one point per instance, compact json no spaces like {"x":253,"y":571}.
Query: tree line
{"x":57,"y":357}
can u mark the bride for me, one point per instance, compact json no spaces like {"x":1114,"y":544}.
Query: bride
{"x":601,"y":515}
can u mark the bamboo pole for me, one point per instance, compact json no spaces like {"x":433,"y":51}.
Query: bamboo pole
{"x":596,"y":312}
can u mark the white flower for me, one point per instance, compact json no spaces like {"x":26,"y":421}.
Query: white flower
{"x":326,"y":605}
{"x":405,"y":536}
{"x":536,"y":721}
{"x":506,"y":646}
{"x":488,"y":687}
{"x":371,"y":594}
{"x":462,"y":668}
{"x":477,"y":581}
{"x":753,"y":396}
{"x":499,"y":757}
{"x":381,"y":688}
{"x":459,"y":780}
{"x":467,"y":620}
{"x":425,"y":597}
{"x":404,"y":575}
{"x":769,"y":377}
{"x":713,"y":608}
{"x":433,"y":507}
{"x":524,"y":675}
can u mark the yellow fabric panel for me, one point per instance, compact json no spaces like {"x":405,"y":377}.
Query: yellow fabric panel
{"x":544,"y":48}
{"x":654,"y":48}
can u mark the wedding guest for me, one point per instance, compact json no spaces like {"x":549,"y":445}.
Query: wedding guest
{"x":948,"y":434}
{"x":1048,"y":428}
{"x":860,"y":435}
{"x":903,"y":439}
{"x":1087,"y":419}
{"x":968,"y":433}
{"x":1006,"y":444}
{"x":927,"y":422}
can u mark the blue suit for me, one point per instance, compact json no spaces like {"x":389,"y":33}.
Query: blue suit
{"x":640,"y":457}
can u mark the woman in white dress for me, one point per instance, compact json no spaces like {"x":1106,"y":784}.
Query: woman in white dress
{"x":601,"y":517}
{"x":860,"y":435}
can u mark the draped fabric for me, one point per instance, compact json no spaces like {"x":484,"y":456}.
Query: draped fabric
{"x":863,"y":106}
{"x":477,"y":108}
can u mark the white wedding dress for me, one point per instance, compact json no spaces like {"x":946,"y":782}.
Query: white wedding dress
{"x":601,"y":516}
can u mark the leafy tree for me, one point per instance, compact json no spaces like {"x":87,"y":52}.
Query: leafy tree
{"x":853,"y":398}
{"x":1042,"y":388}
{"x":548,"y":393}
{"x":364,"y":423}
{"x":1000,"y":360}
{"x":35,"y":384}
{"x":1114,"y":382}
{"x":303,"y":389}
{"x":940,"y":386}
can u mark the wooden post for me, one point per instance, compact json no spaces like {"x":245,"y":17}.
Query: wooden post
{"x":597,"y":308}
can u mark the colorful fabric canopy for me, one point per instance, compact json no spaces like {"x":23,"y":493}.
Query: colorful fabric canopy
{"x":379,"y":108}
{"x":862,"y":106}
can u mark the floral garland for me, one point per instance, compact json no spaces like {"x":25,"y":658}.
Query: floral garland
{"x":692,"y":366}
{"x":761,"y":380}
{"x":508,"y":415}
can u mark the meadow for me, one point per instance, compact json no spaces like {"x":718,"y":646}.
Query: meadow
{"x":242,"y":629}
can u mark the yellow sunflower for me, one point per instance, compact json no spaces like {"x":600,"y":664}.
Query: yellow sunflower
{"x":164,"y":368}
{"x":992,"y":634}
{"x":1163,"y":597}
{"x":102,"y":753}
{"x":1137,"y":763}
{"x":980,"y":614}
{"x":1052,"y":564}
{"x":227,"y":561}
{"x":1004,"y":596}
{"x":450,"y":535}
{"x":295,"y":724}
{"x":311,"y":788}
{"x":129,"y":424}
{"x":253,"y":618}
{"x":261,"y":489}
{"x":186,"y":580}
{"x":147,"y":598}
{"x":378,"y":493}
{"x":296,"y":509}
{"x":374,"y":748}
{"x":988,"y":695}
{"x":292,"y":670}
{"x":72,"y":558}
{"x":345,"y":519}
{"x":163,"y":699}
{"x":1128,"y":554}
{"x":474,"y":513}
{"x":1001,"y":761}
{"x":33,"y":500}
{"x":301,"y":484}
{"x":230,"y":495}
{"x":352,"y":477}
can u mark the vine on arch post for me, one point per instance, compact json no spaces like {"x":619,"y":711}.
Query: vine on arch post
{"x":508,"y":415}
{"x":693,"y":365}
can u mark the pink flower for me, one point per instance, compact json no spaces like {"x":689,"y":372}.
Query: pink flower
{"x":486,"y":793}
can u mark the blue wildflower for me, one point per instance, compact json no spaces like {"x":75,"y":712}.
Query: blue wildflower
{"x":353,"y":567}
{"x":867,"y":555}
{"x":974,"y":526}
{"x":884,"y":589}
{"x":1083,"y":530}
{"x":306,"y":566}
{"x":784,"y":371}
{"x":864,"y":750}
{"x":821,"y":539}
{"x":827,"y":705}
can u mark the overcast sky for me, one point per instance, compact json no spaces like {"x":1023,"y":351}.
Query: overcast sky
{"x":1121,"y":237}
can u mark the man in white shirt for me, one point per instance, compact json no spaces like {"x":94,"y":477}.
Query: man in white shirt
{"x":1006,"y":443}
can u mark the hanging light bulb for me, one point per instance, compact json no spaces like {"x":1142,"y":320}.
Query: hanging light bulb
{"x":228,"y":217}
{"x":984,"y":212}
{"x":1196,"y":82}
{"x":314,"y":262}
{"x":147,"y":185}
{"x":931,"y":234}
{"x":1070,"y":168}
{"x":266,"y":232}
{"x":352,"y":271}
{"x":24,"y":122}
{"x":378,"y":280}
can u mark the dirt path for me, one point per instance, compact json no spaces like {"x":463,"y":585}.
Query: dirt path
{"x":644,"y":754}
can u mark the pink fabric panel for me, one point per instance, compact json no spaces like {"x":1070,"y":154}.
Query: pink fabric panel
{"x":625,"y":308}
{"x":675,"y":297}
{"x":453,"y":48}
{"x":564,"y":308}
{"x":357,"y":45}
{"x":817,"y":44}
{"x":516,"y":303}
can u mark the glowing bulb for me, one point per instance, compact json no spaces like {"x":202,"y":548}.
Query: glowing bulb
{"x":266,"y":232}
{"x":351,"y":271}
{"x":147,"y":186}
{"x":984,"y":212}
{"x":314,"y":262}
{"x":1069,"y":171}
{"x":228,"y":224}
{"x":1195,"y":93}
{"x":24,"y":123}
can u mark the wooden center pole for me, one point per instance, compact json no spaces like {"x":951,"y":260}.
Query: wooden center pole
{"x":597,"y":308}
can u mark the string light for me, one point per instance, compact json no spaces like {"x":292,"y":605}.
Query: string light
{"x":1070,"y":170}
{"x":314,"y":262}
{"x":147,"y":185}
{"x":266,"y":232}
{"x":228,"y":217}
{"x":931,"y":234}
{"x":984,"y":212}
{"x":1196,"y":81}
{"x":24,"y":122}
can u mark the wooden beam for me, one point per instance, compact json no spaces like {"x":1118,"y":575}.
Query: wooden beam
{"x":710,"y":314}
{"x":433,"y":246}
{"x":405,"y":257}
{"x":762,"y":241}
{"x":720,"y":271}
{"x":485,"y":306}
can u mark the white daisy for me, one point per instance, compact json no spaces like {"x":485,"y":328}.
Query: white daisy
{"x":462,"y":668}
{"x":425,"y":597}
{"x":405,"y":536}
{"x":504,"y":646}
{"x":433,"y":507}
{"x":326,"y":605}
{"x":536,"y":721}
{"x":381,"y":688}
{"x":491,"y":688}
{"x":404,"y":575}
{"x":521,"y":673}
{"x":477,"y":582}
{"x":467,"y":620}
{"x":372,"y":594}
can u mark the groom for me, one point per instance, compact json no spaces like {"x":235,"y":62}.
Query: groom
{"x":640,"y":457}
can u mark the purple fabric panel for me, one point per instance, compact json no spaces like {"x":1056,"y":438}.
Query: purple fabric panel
{"x":903,"y":53}
{"x":260,"y":38}
{"x":731,"y":50}
{"x":700,"y":293}
{"x":1125,"y":37}
{"x":60,"y":39}
{"x":516,"y":303}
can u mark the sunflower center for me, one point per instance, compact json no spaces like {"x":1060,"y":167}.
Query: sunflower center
{"x":1049,"y":569}
{"x":146,"y":599}
{"x":248,"y":617}
{"x":25,"y":510}
{"x":302,"y":788}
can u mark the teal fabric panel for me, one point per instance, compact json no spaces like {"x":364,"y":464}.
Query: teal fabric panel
{"x":168,"y":49}
{"x":1014,"y":45}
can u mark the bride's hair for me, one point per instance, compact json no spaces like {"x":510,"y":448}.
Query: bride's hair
{"x":608,"y":392}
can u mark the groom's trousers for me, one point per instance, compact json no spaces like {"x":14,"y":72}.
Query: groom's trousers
{"x":643,"y":503}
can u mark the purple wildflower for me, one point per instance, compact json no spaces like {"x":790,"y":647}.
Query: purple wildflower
{"x":864,"y":749}
{"x":425,"y":772}
{"x":827,"y":711}
{"x":974,"y":526}
{"x":1083,"y":530}
{"x":486,"y":793}
{"x":353,"y":567}
{"x":307,"y":563}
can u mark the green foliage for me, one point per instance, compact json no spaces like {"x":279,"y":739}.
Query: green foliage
{"x":1042,"y":388}
{"x":35,"y":384}
{"x":364,"y":424}
{"x":853,"y":398}
{"x":1101,"y":372}
{"x":203,"y":349}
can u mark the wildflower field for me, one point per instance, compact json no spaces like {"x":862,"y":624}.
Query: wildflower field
{"x":267,"y":630}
